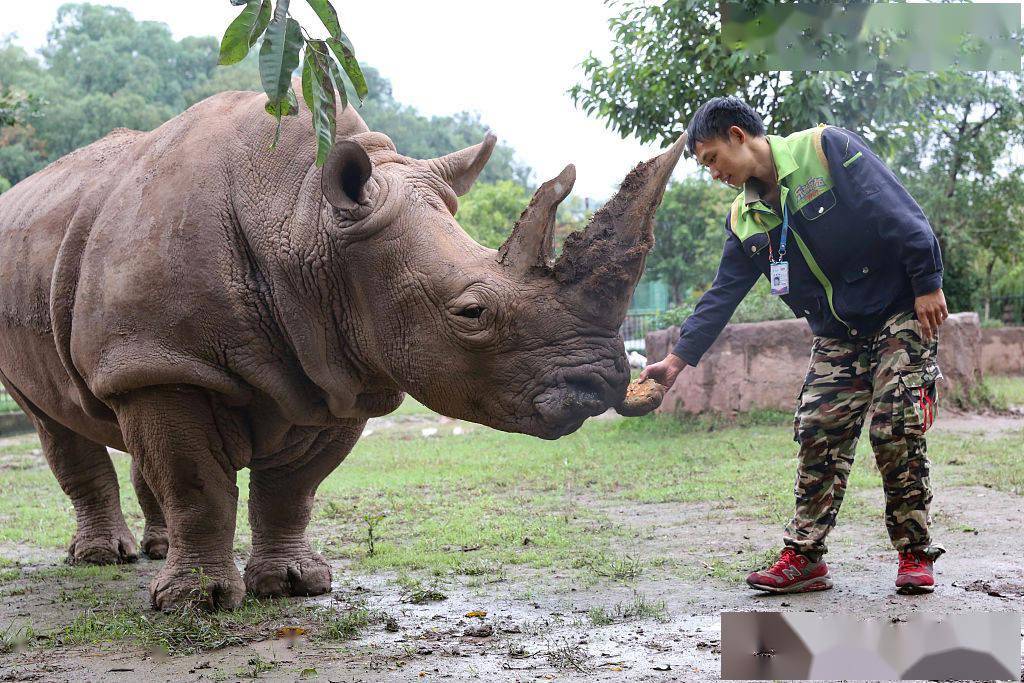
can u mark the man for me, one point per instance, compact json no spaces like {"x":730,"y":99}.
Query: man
{"x":846,"y":247}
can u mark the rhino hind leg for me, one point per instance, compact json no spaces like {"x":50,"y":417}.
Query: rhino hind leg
{"x":280,"y":503}
{"x":154,"y":538}
{"x":86,"y":474}
{"x":172,"y":433}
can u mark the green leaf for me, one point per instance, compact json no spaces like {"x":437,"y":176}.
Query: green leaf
{"x":328,"y":15}
{"x":280,"y":52}
{"x":307,"y":78}
{"x":286,"y":106}
{"x":339,"y":84}
{"x":342,"y":49}
{"x":324,"y":114}
{"x":262,"y":21}
{"x":236,"y":42}
{"x":324,"y":58}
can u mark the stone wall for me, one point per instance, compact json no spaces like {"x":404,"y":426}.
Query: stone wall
{"x":763,"y":365}
{"x":1002,"y":351}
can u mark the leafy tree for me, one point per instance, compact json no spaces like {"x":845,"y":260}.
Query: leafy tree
{"x":941,"y":132}
{"x":104,"y":70}
{"x":669,"y":58}
{"x":16,"y":107}
{"x":689,"y":232}
{"x":993,"y":206}
{"x":94,"y":79}
{"x":323,"y":62}
{"x":489,"y":210}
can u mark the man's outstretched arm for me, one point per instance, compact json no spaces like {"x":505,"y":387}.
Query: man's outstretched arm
{"x":736,"y":275}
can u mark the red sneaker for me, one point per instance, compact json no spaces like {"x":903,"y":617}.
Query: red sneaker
{"x":792,"y":573}
{"x":915,"y":574}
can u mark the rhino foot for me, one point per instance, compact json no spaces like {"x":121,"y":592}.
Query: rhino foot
{"x":278,"y":577}
{"x":155,"y":542}
{"x":210,"y":587}
{"x":108,"y":546}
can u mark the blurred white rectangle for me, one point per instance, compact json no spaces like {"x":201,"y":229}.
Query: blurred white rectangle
{"x":812,"y":646}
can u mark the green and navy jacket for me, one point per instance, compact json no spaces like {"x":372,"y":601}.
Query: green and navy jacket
{"x":859,"y":247}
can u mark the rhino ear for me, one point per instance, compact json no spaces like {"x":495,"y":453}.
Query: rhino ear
{"x":460,"y":169}
{"x":345,"y":174}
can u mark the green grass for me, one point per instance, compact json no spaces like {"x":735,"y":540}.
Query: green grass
{"x":454,"y":505}
{"x":638,"y":607}
{"x":1006,"y":390}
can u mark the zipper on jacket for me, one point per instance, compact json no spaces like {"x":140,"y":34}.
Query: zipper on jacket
{"x":820,"y":275}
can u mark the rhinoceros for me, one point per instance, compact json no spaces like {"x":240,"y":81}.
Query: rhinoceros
{"x":206,"y":304}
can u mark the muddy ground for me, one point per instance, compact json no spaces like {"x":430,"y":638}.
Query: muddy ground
{"x":541,"y":625}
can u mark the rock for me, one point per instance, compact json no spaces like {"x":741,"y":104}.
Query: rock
{"x":762,"y":366}
{"x":1002,"y":350}
{"x":483,"y":630}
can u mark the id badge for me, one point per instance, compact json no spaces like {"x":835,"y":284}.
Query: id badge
{"x":780,"y":278}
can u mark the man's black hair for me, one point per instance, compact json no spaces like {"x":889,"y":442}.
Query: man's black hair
{"x":716,"y":116}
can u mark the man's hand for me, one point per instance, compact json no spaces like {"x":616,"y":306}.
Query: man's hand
{"x":931,"y":312}
{"x":664,"y":372}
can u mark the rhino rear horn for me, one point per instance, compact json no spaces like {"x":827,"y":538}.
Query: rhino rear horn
{"x":345,"y":174}
{"x":460,"y":169}
{"x":530,"y":244}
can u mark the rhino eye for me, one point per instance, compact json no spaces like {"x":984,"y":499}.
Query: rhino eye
{"x":471,"y":311}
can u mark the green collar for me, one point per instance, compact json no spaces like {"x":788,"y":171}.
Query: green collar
{"x":785,"y":164}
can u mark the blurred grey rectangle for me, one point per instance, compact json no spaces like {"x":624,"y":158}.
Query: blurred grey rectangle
{"x":811,"y":646}
{"x":863,"y":36}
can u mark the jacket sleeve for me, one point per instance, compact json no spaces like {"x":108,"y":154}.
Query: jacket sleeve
{"x":736,"y":275}
{"x":859,"y":174}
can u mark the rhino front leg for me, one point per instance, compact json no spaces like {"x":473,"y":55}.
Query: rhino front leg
{"x":280,"y":503}
{"x":172,"y":433}
{"x":154,"y":537}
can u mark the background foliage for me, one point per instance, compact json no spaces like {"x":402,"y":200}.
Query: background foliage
{"x":101,"y":69}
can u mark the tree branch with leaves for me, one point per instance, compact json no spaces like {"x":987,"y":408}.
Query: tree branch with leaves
{"x":326,"y":63}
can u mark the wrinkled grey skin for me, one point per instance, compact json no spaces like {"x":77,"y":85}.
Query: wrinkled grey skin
{"x":207,"y":304}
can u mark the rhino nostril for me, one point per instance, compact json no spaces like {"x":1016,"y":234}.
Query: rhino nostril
{"x":586,"y":388}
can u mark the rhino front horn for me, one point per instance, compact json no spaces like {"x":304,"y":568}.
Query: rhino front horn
{"x":605,"y":261}
{"x":530,"y":244}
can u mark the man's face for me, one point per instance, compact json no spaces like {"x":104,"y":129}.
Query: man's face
{"x":729,"y":159}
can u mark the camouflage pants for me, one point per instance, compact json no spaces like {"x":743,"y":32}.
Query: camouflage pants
{"x":891,"y":376}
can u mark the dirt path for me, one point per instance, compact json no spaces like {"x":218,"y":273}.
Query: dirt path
{"x":543,"y":625}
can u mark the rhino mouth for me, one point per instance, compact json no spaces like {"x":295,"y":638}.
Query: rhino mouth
{"x":576,"y":394}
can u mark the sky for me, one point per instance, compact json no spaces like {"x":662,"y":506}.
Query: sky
{"x":510,"y":62}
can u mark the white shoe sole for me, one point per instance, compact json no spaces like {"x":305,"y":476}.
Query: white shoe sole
{"x":818,"y":583}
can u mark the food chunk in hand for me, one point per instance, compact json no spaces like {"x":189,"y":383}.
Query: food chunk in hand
{"x":641,"y":398}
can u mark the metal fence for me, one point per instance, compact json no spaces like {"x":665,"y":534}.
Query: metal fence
{"x":635,"y":327}
{"x":1007,"y":309}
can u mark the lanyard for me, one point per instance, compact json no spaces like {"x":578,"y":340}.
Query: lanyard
{"x":782,"y":241}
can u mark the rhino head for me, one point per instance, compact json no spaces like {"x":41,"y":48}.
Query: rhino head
{"x":513,"y":339}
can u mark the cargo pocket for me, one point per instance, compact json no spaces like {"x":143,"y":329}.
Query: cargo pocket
{"x":915,"y":405}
